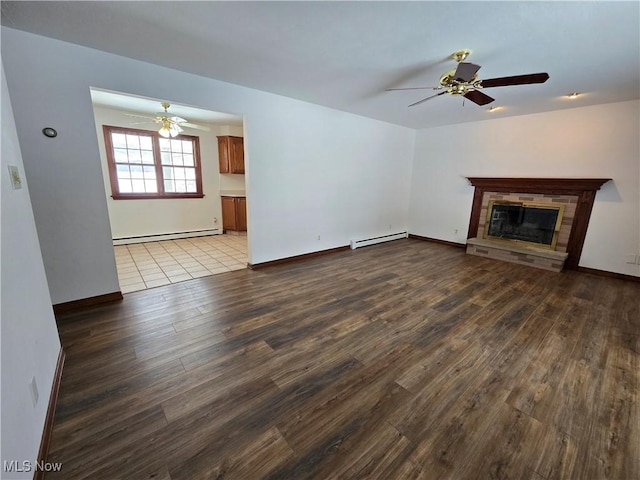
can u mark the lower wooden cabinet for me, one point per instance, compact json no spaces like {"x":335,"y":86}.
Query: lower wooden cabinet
{"x":234,"y":213}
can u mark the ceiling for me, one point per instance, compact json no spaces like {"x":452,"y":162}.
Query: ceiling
{"x":151,"y":107}
{"x":345,"y":54}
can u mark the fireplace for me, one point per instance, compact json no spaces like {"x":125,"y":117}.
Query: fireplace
{"x":534,"y":224}
{"x":540,"y":222}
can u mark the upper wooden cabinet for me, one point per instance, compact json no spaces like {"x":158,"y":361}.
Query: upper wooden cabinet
{"x":231,"y":154}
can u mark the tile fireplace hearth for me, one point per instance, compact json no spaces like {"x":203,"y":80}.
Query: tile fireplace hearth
{"x":524,"y":255}
{"x":523,"y":229}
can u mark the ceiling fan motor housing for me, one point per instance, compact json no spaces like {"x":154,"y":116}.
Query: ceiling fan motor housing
{"x":446,"y":78}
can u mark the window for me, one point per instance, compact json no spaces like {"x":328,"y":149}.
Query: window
{"x":142,"y":164}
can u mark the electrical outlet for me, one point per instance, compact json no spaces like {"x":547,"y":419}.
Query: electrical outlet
{"x":455,"y":231}
{"x":33,"y":388}
{"x":215,"y":220}
{"x":318,"y":237}
{"x":631,"y":259}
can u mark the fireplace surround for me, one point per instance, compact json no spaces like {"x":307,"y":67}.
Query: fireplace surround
{"x":575,"y":196}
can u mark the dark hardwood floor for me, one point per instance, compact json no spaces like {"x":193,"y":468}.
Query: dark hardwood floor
{"x":398,"y":361}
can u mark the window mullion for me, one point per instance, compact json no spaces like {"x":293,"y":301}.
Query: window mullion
{"x":157,"y":159}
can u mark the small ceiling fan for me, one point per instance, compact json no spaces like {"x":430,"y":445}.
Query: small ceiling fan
{"x":170,"y":125}
{"x":464,"y":81}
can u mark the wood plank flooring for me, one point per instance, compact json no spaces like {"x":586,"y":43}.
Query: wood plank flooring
{"x":407,"y":360}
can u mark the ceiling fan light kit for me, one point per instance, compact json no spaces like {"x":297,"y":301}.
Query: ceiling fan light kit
{"x":169,"y":131}
{"x":170,"y":125}
{"x":463,"y":81}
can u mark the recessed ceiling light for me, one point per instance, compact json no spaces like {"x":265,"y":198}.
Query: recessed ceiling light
{"x":573,"y":95}
{"x":493,"y":109}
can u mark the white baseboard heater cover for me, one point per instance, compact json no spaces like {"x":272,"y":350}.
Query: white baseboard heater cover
{"x":372,"y":241}
{"x":166,"y":236}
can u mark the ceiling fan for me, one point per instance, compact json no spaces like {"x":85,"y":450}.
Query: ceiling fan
{"x":464,"y":81}
{"x":170,"y":125}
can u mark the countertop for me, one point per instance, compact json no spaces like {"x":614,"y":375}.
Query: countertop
{"x":232,"y":193}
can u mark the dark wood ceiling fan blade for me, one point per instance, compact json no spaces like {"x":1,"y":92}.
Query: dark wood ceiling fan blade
{"x":476,"y":96}
{"x":466,"y":71}
{"x":428,"y":98}
{"x":515,"y":80}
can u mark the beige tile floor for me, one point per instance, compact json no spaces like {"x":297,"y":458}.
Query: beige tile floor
{"x":146,"y":265}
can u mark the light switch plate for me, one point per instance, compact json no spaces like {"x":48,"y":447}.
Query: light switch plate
{"x":14,"y":176}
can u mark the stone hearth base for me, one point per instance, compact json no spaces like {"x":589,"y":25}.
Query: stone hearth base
{"x":534,"y":257}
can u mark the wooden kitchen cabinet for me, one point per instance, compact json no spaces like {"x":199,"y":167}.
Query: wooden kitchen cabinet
{"x":231,"y":154}
{"x":234,"y":213}
{"x":241,"y":213}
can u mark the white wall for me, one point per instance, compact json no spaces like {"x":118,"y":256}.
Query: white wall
{"x":232,"y":182}
{"x":310,"y":171}
{"x":131,"y":218}
{"x":30,"y":344}
{"x":599,"y":142}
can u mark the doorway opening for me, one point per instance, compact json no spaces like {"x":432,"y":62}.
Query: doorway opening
{"x":165,"y":185}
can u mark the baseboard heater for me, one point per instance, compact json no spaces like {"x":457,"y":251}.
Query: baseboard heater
{"x":372,"y":241}
{"x":166,"y":236}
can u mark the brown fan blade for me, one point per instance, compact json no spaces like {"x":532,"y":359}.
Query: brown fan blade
{"x":428,"y":98}
{"x":476,"y":96}
{"x":515,"y":80}
{"x":466,"y":71}
{"x":409,"y":88}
